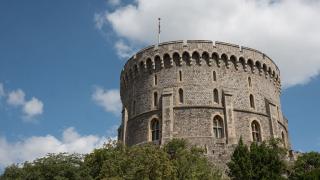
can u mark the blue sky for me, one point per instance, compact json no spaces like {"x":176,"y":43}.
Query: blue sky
{"x":60,"y":63}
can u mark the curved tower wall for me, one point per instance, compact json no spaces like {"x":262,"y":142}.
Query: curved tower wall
{"x":199,"y":68}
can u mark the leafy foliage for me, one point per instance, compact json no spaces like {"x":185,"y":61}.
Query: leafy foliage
{"x":53,"y":166}
{"x":190,"y":163}
{"x":307,"y":166}
{"x":262,"y":161}
{"x":176,"y":160}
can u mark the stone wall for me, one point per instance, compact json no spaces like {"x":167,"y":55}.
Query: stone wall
{"x":190,"y":66}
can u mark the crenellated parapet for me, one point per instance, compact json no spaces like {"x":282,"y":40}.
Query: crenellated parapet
{"x":200,"y":53}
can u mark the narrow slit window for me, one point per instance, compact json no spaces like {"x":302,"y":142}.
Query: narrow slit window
{"x":215,"y":96}
{"x":249,"y":82}
{"x":180,"y":75}
{"x":252,"y":101}
{"x":181,"y":96}
{"x":155,"y":80}
{"x":155,"y":99}
{"x":214,"y":76}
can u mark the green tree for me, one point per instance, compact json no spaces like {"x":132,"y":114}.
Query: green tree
{"x":307,"y":166}
{"x":53,"y":166}
{"x":240,"y":166}
{"x":262,"y":161}
{"x":175,"y":160}
{"x":190,"y":162}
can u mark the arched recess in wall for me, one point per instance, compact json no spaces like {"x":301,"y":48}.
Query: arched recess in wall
{"x":141,"y":66}
{"x":233,"y":60}
{"x":176,"y":58}
{"x":258,"y":65}
{"x":136,"y":71}
{"x":196,"y":57}
{"x":242,"y":62}
{"x":166,"y":61}
{"x":215,"y":58}
{"x":251,"y":65}
{"x":206,"y":58}
{"x":224,"y":59}
{"x":186,"y":58}
{"x":264,"y":67}
{"x":149,"y":64}
{"x":157,"y":62}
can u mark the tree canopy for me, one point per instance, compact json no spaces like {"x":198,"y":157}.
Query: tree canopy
{"x":261,"y":161}
{"x":307,"y":166}
{"x":176,"y":160}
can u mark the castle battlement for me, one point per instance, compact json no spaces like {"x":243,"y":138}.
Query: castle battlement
{"x":202,"y":52}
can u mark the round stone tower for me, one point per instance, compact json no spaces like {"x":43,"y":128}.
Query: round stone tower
{"x":210,"y":93}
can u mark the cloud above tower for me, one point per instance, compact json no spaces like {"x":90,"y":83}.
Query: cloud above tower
{"x":287,"y":30}
{"x":108,"y":99}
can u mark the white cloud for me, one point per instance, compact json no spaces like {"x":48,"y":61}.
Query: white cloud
{"x":108,"y":99}
{"x":123,"y":50}
{"x":99,"y":20}
{"x":2,"y":92}
{"x":33,"y":107}
{"x":38,"y":146}
{"x":16,"y":98}
{"x":114,"y":2}
{"x":286,"y":30}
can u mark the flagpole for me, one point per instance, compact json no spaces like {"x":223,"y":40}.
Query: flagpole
{"x":159,"y":31}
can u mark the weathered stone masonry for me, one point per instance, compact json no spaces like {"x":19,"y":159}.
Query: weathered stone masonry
{"x":208,"y":93}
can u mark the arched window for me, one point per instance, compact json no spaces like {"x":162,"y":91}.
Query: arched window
{"x":180,"y":96}
{"x":215,"y":96}
{"x":155,"y":130}
{"x":218,"y":129}
{"x":214,"y":76}
{"x":155,"y":99}
{"x":256,"y":132}
{"x":251,"y":101}
{"x":180,"y":75}
{"x":249,"y":81}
